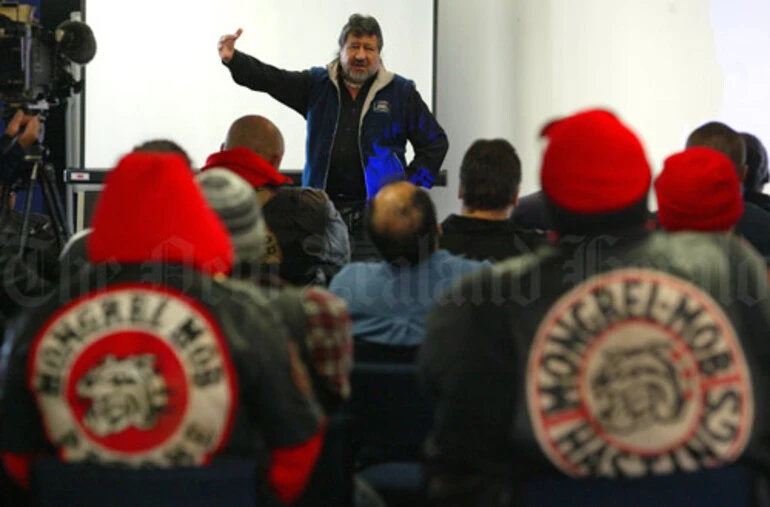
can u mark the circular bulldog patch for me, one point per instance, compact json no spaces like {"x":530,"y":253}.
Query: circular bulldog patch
{"x":637,"y":373}
{"x":135,"y":376}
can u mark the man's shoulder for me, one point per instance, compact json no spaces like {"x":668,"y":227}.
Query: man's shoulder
{"x":319,"y":73}
{"x":323,"y":309}
{"x":308,"y":192}
{"x":355,"y":278}
{"x":245,"y":296}
{"x":459,"y":264}
{"x":754,"y":214}
{"x":720,"y":252}
{"x":323,"y":300}
{"x":322,"y":80}
{"x":451,"y":222}
{"x":754,"y":226}
{"x":388,"y":80}
{"x":461,"y":224}
{"x":402,"y":80}
{"x":354,"y":269}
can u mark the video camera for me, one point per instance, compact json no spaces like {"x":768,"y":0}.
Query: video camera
{"x":35,"y":62}
{"x":36,"y":74}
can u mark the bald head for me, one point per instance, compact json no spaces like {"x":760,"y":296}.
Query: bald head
{"x":259,"y":135}
{"x":402,"y":223}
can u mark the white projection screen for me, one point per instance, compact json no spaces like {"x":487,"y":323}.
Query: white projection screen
{"x":157,"y":74}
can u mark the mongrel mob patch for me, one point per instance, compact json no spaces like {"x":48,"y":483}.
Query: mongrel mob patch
{"x":635,"y":373}
{"x":136,"y":376}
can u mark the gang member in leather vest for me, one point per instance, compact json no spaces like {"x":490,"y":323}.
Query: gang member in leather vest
{"x":152,"y":357}
{"x":613,"y":353}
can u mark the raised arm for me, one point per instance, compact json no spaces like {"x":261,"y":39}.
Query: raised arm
{"x":290,"y":88}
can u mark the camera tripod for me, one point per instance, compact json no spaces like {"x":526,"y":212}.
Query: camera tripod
{"x":38,"y":171}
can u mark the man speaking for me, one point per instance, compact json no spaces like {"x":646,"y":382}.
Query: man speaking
{"x":359,"y":118}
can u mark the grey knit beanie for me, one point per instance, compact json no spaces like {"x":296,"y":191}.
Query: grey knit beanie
{"x":233,"y":199}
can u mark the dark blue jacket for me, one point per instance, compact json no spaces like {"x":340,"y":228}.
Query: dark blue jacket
{"x":393,"y":114}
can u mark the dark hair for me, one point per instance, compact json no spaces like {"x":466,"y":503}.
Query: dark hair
{"x":359,"y":25}
{"x":722,"y":138}
{"x":490,"y":174}
{"x":756,"y":164}
{"x":163,"y":146}
{"x":413,"y":243}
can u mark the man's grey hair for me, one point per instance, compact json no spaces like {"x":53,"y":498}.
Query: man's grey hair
{"x":359,"y":25}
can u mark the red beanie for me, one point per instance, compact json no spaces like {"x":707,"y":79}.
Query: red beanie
{"x":698,"y":190}
{"x":151,"y":210}
{"x":593,"y":164}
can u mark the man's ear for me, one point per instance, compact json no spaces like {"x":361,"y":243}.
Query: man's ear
{"x":275,"y":161}
{"x":460,"y":191}
{"x":222,"y":147}
{"x":515,"y":200}
{"x":744,"y":172}
{"x":439,"y":230}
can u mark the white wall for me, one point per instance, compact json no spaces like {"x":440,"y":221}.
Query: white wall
{"x":507,"y":66}
{"x":475,"y":95}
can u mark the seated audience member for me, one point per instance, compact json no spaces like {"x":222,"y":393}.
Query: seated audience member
{"x":308,"y":240}
{"x":490,"y":175}
{"x":531,"y":212}
{"x":757,"y":174}
{"x":551,"y":363}
{"x":754,"y":225}
{"x":26,"y":276}
{"x":388,"y":300}
{"x":698,"y":190}
{"x":319,"y":320}
{"x":163,"y":146}
{"x":74,"y":256}
{"x":42,"y":245}
{"x":154,"y":344}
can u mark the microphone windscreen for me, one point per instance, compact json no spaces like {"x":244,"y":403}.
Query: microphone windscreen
{"x":76,"y":41}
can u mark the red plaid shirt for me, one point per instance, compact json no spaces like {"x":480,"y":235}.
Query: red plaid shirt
{"x":329,"y":338}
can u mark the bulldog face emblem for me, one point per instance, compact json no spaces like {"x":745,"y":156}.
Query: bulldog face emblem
{"x":124,"y":393}
{"x":636,"y":388}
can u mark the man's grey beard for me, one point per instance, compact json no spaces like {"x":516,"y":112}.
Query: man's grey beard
{"x":359,"y":77}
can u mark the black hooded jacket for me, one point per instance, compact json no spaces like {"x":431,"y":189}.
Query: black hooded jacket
{"x":757,"y":174}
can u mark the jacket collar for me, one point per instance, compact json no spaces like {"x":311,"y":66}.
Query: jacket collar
{"x":383,"y":79}
{"x":471,"y":224}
